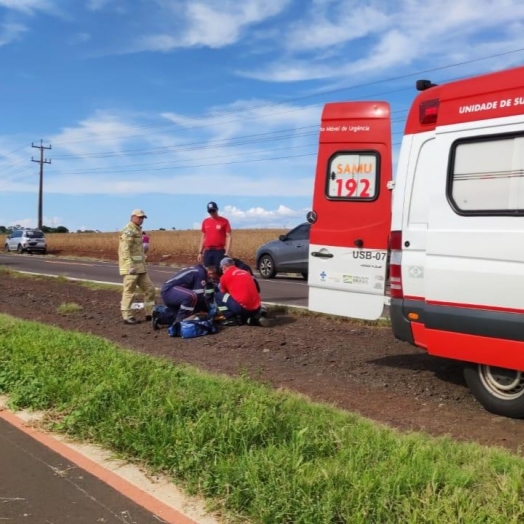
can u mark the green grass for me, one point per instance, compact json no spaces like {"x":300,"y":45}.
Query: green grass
{"x":98,"y":285}
{"x":69,"y":307}
{"x":304,"y":312}
{"x":4,"y":271}
{"x":254,"y":453}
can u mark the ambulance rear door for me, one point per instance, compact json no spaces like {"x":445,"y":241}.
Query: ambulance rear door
{"x":351,"y":213}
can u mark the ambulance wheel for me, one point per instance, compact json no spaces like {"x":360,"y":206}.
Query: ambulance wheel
{"x":266,"y":266}
{"x":499,"y":390}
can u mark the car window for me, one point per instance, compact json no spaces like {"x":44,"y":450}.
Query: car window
{"x":299,"y":233}
{"x":34,"y":234}
{"x":16,"y":234}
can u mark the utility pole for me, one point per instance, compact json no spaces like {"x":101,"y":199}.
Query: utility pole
{"x":41,"y":161}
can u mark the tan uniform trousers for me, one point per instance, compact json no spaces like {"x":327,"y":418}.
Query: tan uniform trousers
{"x":143,"y":282}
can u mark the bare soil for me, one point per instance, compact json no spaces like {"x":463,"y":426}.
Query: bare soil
{"x":347,"y":364}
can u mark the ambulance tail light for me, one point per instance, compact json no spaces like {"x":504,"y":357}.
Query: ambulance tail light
{"x":428,"y":111}
{"x":395,"y":264}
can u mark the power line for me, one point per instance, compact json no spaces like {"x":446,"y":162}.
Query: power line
{"x":11,"y":166}
{"x":241,"y":140}
{"x":145,"y":166}
{"x":243,"y":154}
{"x":155,"y":150}
{"x":188,"y":166}
{"x":212,"y":144}
{"x":244,"y":161}
{"x":12,"y":152}
{"x":305,"y":97}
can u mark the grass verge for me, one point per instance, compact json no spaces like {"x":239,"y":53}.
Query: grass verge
{"x":254,"y":453}
{"x":69,"y":307}
{"x":6,"y":272}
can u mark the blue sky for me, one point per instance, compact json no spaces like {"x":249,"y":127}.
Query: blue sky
{"x":167,"y":104}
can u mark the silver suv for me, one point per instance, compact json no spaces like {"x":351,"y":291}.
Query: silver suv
{"x":30,"y":240}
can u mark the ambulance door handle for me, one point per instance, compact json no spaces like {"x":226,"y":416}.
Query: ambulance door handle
{"x":321,"y":255}
{"x":359,"y":242}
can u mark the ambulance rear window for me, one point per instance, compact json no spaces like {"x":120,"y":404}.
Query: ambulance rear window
{"x":353,"y":175}
{"x":487,"y":176}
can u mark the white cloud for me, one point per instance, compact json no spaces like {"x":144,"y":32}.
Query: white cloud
{"x":80,"y":38}
{"x":10,"y":32}
{"x":252,"y":148}
{"x":116,"y":6}
{"x":95,"y":5}
{"x":355,"y":40}
{"x":157,"y":43}
{"x":195,"y":184}
{"x":33,"y":223}
{"x":261,"y":218}
{"x":104,"y":131}
{"x":28,"y":6}
{"x":206,"y":23}
{"x":217,"y":26}
{"x":327,"y":26}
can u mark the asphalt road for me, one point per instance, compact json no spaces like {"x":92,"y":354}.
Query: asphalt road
{"x":40,"y":486}
{"x":291,"y":291}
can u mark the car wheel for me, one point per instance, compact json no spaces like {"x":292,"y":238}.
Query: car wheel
{"x":20,"y":249}
{"x":44,"y":251}
{"x":266,"y":266}
{"x":304,"y":276}
{"x":6,"y":248}
{"x":499,"y":390}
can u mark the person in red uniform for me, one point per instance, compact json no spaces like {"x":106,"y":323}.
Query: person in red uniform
{"x":238,"y":298}
{"x":215,"y":241}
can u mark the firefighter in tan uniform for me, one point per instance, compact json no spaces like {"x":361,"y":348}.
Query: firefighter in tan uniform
{"x":132,"y":265}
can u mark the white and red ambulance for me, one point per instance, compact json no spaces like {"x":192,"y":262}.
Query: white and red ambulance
{"x":447,"y":233}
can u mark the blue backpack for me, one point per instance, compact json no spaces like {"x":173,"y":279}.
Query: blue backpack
{"x":162,"y":316}
{"x":196,"y":327}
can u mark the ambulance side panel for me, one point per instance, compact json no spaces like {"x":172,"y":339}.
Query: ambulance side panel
{"x":463,"y":253}
{"x":475,"y":261}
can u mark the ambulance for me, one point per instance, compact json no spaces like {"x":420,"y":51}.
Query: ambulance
{"x":442,"y":242}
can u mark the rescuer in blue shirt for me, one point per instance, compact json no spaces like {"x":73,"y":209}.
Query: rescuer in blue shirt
{"x":185,"y":291}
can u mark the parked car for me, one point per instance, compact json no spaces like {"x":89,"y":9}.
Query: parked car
{"x":288,"y":254}
{"x":30,"y":240}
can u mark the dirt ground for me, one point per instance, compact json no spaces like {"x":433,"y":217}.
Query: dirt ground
{"x":343,"y":363}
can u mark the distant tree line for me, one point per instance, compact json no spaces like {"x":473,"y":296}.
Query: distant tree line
{"x":6,"y":230}
{"x":46,"y":229}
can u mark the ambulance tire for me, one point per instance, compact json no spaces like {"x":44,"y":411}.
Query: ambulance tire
{"x":266,"y":266}
{"x":499,"y":390}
